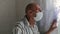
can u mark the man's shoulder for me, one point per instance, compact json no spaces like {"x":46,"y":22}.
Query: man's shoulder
{"x":20,"y":23}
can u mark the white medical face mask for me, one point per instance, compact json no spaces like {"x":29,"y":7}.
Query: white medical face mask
{"x":39,"y":16}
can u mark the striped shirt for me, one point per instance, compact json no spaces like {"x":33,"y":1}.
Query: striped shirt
{"x":23,"y":27}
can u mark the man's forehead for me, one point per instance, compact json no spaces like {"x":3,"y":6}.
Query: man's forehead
{"x":37,"y":7}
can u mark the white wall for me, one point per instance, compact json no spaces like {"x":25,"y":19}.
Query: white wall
{"x":7,"y":16}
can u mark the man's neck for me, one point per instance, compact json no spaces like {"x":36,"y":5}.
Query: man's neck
{"x":31,"y":21}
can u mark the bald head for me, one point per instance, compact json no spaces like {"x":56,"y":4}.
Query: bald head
{"x":32,"y":6}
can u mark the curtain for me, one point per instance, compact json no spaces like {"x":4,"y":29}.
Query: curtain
{"x":49,"y":12}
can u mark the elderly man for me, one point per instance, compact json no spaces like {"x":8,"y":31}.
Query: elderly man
{"x":27,"y":25}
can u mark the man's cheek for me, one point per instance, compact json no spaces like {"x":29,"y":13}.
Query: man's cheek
{"x":31,"y":15}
